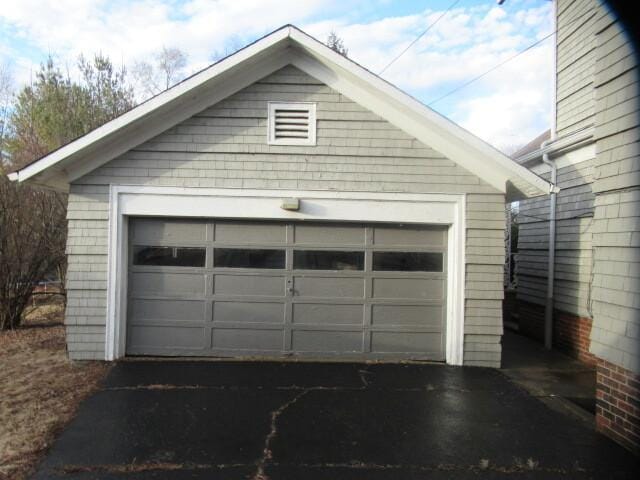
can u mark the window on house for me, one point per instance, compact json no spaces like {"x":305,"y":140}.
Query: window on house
{"x":292,"y":123}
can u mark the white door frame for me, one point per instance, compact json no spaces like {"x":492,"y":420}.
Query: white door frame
{"x":125,"y":200}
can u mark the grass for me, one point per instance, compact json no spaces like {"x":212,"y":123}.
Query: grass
{"x":40,"y":389}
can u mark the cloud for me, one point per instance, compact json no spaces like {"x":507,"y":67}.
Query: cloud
{"x":503,"y":108}
{"x":507,"y":107}
{"x":516,"y":103}
{"x":130,"y":30}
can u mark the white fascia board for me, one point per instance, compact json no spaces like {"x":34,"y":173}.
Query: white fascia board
{"x":399,"y":108}
{"x":13,"y":176}
{"x":152,"y":104}
{"x":445,"y":137}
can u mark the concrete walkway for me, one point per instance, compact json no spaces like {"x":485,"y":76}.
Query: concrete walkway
{"x":225,"y":420}
{"x":560,"y":381}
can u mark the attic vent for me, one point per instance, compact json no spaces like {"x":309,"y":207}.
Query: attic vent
{"x":292,"y":123}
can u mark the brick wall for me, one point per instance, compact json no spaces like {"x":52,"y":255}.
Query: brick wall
{"x":618,"y":404}
{"x":571,"y":333}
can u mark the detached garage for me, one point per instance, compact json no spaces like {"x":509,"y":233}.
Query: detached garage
{"x":284,"y":202}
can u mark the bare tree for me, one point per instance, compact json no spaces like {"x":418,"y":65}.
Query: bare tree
{"x":51,"y":111}
{"x":171,"y":62}
{"x":335,"y":43}
{"x":166,"y":70}
{"x":6,"y":92}
{"x":32,"y":238}
{"x":231,"y":46}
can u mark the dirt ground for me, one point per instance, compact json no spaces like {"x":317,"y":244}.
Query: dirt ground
{"x":40,"y":389}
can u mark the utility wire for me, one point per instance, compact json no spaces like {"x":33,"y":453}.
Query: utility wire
{"x":419,"y":36}
{"x":555,"y":32}
{"x":491,"y":69}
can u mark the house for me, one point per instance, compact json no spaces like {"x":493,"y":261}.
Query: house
{"x":285,"y":201}
{"x":594,"y":147}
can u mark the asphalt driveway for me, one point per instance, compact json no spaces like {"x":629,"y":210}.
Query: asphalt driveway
{"x":225,"y":420}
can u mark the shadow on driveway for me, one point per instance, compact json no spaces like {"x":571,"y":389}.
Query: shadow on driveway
{"x":227,"y":420}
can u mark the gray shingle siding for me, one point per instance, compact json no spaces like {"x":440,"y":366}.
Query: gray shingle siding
{"x":574,"y":213}
{"x":225,"y":146}
{"x":616,"y":234}
{"x":575,"y":64}
{"x":598,"y":256}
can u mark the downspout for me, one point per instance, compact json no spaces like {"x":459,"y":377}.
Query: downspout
{"x":548,"y":309}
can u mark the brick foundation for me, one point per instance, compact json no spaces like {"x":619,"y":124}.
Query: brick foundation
{"x":571,"y":334}
{"x":618,"y":404}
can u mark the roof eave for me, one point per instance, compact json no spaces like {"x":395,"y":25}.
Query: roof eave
{"x":67,"y":153}
{"x":486,"y":162}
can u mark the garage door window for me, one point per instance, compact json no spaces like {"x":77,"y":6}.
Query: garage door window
{"x":169,"y":256}
{"x":327,"y":260}
{"x":248,"y":258}
{"x":407,"y":261}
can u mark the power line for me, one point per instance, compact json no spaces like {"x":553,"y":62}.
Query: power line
{"x":419,"y":36}
{"x":555,"y":32}
{"x":491,"y":69}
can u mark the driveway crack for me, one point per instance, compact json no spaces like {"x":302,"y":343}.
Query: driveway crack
{"x":363,"y":376}
{"x":267,"y":453}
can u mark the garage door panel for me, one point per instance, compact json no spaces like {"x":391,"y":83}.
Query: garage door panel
{"x":407,"y":342}
{"x":326,"y":341}
{"x":158,"y":310}
{"x":243,"y":233}
{"x":150,"y":231}
{"x":187,"y":338}
{"x":245,"y":312}
{"x":337,"y":287}
{"x":327,"y":314}
{"x":407,"y":315}
{"x":409,"y":236}
{"x":329,"y":235}
{"x":254,"y":285}
{"x":248,"y":339}
{"x":255,"y":289}
{"x":167,"y":284}
{"x":409,"y":288}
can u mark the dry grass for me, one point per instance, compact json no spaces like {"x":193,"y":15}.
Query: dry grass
{"x":40,"y":389}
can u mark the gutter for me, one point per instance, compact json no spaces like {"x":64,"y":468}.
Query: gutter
{"x":548,"y":309}
{"x":559,"y":146}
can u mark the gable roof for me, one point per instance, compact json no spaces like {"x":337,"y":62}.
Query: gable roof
{"x":287,"y":45}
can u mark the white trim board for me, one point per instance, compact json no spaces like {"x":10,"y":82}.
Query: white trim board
{"x":286,"y":45}
{"x":125,"y":201}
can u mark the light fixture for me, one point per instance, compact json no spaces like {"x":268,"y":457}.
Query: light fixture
{"x":292,"y":204}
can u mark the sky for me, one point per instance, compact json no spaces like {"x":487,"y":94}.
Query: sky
{"x":507,"y":107}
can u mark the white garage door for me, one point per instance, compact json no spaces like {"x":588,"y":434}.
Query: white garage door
{"x":245,"y":288}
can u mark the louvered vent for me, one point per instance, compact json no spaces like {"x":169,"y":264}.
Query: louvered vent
{"x":292,"y":123}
